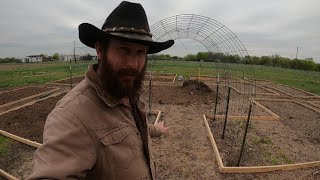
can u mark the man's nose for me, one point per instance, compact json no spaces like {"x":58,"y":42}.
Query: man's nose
{"x":132,"y":62}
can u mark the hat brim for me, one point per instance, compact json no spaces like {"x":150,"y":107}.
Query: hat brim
{"x":89,"y":35}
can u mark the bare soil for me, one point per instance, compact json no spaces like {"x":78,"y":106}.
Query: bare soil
{"x":14,"y":95}
{"x":186,"y":153}
{"x":239,"y":85}
{"x":291,"y":91}
{"x":301,"y":120}
{"x":28,"y":122}
{"x":176,"y":94}
{"x":159,"y":78}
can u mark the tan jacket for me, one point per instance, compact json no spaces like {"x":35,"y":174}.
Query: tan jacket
{"x":90,"y":135}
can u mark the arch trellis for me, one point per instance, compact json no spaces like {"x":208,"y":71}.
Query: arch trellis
{"x":213,"y":35}
{"x":234,"y":83}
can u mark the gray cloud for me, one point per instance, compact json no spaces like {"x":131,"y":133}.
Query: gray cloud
{"x":264,"y":27}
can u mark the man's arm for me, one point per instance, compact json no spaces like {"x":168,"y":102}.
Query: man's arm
{"x":67,"y":151}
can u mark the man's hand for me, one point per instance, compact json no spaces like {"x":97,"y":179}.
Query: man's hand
{"x":161,"y":127}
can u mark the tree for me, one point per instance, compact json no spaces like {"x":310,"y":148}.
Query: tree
{"x":190,"y":57}
{"x":55,"y":57}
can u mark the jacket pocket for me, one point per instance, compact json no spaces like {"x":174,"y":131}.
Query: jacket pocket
{"x":118,"y":147}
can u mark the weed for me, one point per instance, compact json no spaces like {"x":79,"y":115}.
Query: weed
{"x":274,"y":161}
{"x":4,"y":144}
{"x":266,"y":140}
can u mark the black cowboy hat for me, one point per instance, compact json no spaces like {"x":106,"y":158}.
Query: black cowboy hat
{"x":127,"y":22}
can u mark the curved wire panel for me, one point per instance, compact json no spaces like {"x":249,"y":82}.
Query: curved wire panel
{"x":213,"y":35}
{"x":216,"y":38}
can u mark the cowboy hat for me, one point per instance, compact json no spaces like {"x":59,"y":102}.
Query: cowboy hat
{"x":127,"y":22}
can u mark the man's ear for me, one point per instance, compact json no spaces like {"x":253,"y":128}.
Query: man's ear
{"x":98,"y":47}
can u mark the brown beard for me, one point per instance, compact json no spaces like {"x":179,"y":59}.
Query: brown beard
{"x":111,"y":80}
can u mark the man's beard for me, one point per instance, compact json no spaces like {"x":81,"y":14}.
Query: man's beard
{"x":111,"y":80}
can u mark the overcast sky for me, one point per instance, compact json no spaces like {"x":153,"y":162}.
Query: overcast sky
{"x":264,"y":27}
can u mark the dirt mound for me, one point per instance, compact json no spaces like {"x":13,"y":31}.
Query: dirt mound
{"x":196,"y":85}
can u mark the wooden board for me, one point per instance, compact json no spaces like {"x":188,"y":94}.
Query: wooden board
{"x":7,"y":175}
{"x":20,"y":139}
{"x":252,"y":169}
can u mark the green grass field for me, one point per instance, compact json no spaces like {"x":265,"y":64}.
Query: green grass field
{"x":15,"y":75}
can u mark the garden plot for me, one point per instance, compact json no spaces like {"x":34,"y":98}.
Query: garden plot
{"x":21,"y":96}
{"x":316,"y":104}
{"x":186,"y":153}
{"x":291,"y":140}
{"x":160,"y":77}
{"x":239,"y":85}
{"x":68,"y":81}
{"x":189,"y":93}
{"x":207,"y":79}
{"x":28,"y":122}
{"x":246,"y":87}
{"x":238,"y":110}
{"x":20,"y":93}
{"x":290,"y":91}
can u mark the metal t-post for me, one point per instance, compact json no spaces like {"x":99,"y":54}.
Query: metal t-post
{"x":226,"y":114}
{"x":149,"y":100}
{"x":216,"y":102}
{"x":245,"y":135}
{"x":70,"y":74}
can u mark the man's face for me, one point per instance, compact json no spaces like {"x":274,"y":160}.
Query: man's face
{"x":122,"y":67}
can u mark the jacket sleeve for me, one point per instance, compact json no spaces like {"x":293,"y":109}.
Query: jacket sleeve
{"x":67,"y":152}
{"x":154,"y":131}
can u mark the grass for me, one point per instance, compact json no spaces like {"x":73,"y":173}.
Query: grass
{"x":306,"y":80}
{"x":4,"y":145}
{"x":14,"y":75}
{"x":266,"y":140}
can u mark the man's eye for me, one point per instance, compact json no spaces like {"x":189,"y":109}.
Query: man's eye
{"x":141,"y":52}
{"x":124,"y":50}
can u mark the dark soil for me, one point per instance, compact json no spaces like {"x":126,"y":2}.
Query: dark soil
{"x":74,"y":80}
{"x":177,"y":95}
{"x":14,"y":95}
{"x":28,"y":122}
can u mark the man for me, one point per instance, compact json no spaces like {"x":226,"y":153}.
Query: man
{"x":99,"y":129}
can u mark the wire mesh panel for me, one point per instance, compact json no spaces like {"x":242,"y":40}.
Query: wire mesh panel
{"x":229,"y":72}
{"x":232,"y":80}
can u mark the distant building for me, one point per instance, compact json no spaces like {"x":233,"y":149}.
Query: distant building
{"x":67,"y":58}
{"x":32,"y":59}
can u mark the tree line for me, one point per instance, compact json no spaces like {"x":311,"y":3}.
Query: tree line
{"x":273,"y":60}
